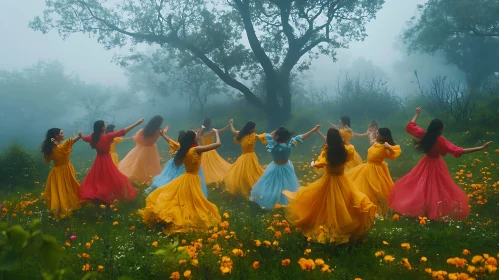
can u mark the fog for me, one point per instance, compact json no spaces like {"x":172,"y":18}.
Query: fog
{"x":381,"y":54}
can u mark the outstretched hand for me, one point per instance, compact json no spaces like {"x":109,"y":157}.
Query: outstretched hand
{"x":231,"y":121}
{"x":141,"y":121}
{"x":486,"y":145}
{"x":418,"y":110}
{"x":317,"y":127}
{"x":312,"y":163}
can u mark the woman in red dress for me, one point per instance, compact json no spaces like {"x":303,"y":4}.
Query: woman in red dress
{"x":429,"y":190}
{"x":104,"y":181}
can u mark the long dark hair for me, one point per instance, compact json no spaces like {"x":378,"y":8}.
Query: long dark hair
{"x":110,"y":128}
{"x":185,"y":144}
{"x":153,"y":126}
{"x":345,"y":120}
{"x":47,"y":145}
{"x":386,"y":135}
{"x":98,"y":125}
{"x":181,"y":135}
{"x":283,"y":135}
{"x":336,"y":152}
{"x":430,"y":138}
{"x":207,"y":123}
{"x":247,"y":129}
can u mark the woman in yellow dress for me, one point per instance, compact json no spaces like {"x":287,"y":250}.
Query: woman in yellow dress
{"x":61,"y":189}
{"x":180,"y":204}
{"x":246,"y":171}
{"x":214,"y":166}
{"x":373,"y":178}
{"x":116,"y":142}
{"x":331,"y":209}
{"x":347,"y":133}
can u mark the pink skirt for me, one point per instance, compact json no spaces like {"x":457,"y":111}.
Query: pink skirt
{"x":429,"y":190}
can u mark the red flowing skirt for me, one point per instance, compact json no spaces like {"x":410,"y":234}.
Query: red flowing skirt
{"x":105,"y":182}
{"x":429,"y":190}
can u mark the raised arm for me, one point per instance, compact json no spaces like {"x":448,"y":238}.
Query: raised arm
{"x":476,"y":149}
{"x":200,"y":130}
{"x":163,"y":132}
{"x":134,"y":125}
{"x":231,"y":125}
{"x":77,"y":138}
{"x":224,"y":128}
{"x":418,"y":111}
{"x":333,"y":125}
{"x":322,"y":135}
{"x":85,"y":138}
{"x":307,"y":134}
{"x":202,"y":149}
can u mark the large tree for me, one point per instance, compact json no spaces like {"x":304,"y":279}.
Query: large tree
{"x":466,"y":31}
{"x":279,"y":34}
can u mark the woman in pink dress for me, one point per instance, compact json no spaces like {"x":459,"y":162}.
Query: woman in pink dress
{"x":429,"y":190}
{"x":142,"y":163}
{"x":104,"y":181}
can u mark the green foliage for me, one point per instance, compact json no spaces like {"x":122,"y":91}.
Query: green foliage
{"x":17,"y":168}
{"x":467,"y":32}
{"x":17,"y":245}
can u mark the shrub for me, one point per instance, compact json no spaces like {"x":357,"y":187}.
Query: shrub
{"x":17,"y":167}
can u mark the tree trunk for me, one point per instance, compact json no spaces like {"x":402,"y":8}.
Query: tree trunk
{"x":278,"y":101}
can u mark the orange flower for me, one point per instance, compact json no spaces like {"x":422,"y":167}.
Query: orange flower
{"x":389,"y":258}
{"x":319,"y":262}
{"x":287,"y":230}
{"x":477,"y":259}
{"x":132,"y":228}
{"x":256,"y":265}
{"x":385,"y":243}
{"x":406,"y":246}
{"x":379,"y":254}
{"x":285,"y":262}
{"x":175,"y":275}
{"x":267,"y":243}
{"x":424,"y":259}
{"x":306,"y":264}
{"x":86,"y":268}
{"x":491,"y":261}
{"x":491,"y":269}
{"x":405,"y":263}
{"x":226,"y":215}
{"x":88,"y":245}
{"x":187,"y":274}
{"x":85,"y":256}
{"x":278,"y":234}
{"x":115,"y":223}
{"x":155,"y":244}
{"x":238,"y":252}
{"x":100,"y":268}
{"x":395,"y":217}
{"x":466,"y":252}
{"x":458,"y":262}
{"x":277,"y":206}
{"x":307,"y":251}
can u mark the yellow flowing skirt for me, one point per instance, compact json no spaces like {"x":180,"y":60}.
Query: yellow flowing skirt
{"x":61,"y":191}
{"x":181,"y":205}
{"x":243,"y":174}
{"x":330,"y":210}
{"x":214,"y":167}
{"x":114,"y":156}
{"x":356,"y":161}
{"x":373,"y":180}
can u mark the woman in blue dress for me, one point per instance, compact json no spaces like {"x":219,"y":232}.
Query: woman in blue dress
{"x":280,"y":174}
{"x":171,"y":170}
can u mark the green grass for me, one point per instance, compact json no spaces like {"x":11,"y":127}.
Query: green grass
{"x":126,"y":252}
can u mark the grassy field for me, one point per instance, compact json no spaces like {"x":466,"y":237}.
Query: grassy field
{"x":252,"y":243}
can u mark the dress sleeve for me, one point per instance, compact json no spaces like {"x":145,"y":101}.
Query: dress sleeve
{"x":395,"y":153}
{"x":174,"y":146}
{"x":413,"y":129}
{"x":295,"y":141}
{"x":87,"y":138}
{"x":322,"y":159}
{"x":270,"y":142}
{"x":67,"y":146}
{"x":450,"y":148}
{"x":262,"y":137}
{"x":350,"y":152}
{"x":119,"y":133}
{"x":118,"y":140}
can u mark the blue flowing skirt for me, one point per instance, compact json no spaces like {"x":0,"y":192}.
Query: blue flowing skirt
{"x":173,"y":171}
{"x":267,"y":192}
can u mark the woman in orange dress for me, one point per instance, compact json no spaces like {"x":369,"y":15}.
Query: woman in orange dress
{"x":118,"y":140}
{"x":61,"y":189}
{"x":142,"y":163}
{"x":347,"y":133}
{"x":180,"y":205}
{"x":246,"y":171}
{"x":214,"y":166}
{"x":331,"y":209}
{"x":373,"y":178}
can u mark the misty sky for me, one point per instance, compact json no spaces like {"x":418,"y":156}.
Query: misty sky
{"x":82,"y":55}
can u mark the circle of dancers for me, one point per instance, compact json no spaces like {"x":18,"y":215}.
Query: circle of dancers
{"x":338,"y":207}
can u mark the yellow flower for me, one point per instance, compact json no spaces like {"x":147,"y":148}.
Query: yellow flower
{"x":491,"y":269}
{"x":379,"y":254}
{"x":471,"y":268}
{"x":195,"y":262}
{"x":424,"y":259}
{"x":406,"y":246}
{"x":385,"y":243}
{"x":226,"y":215}
{"x":267,"y":243}
{"x":319,"y":262}
{"x":405,"y":263}
{"x":307,"y":251}
{"x":477,"y":259}
{"x":238,"y":252}
{"x":258,"y":243}
{"x":115,"y":223}
{"x":100,"y":268}
{"x":187,"y":274}
{"x":389,"y":258}
{"x":458,"y":262}
{"x":175,"y":275}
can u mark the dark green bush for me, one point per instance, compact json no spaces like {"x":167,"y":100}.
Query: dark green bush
{"x":17,"y":168}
